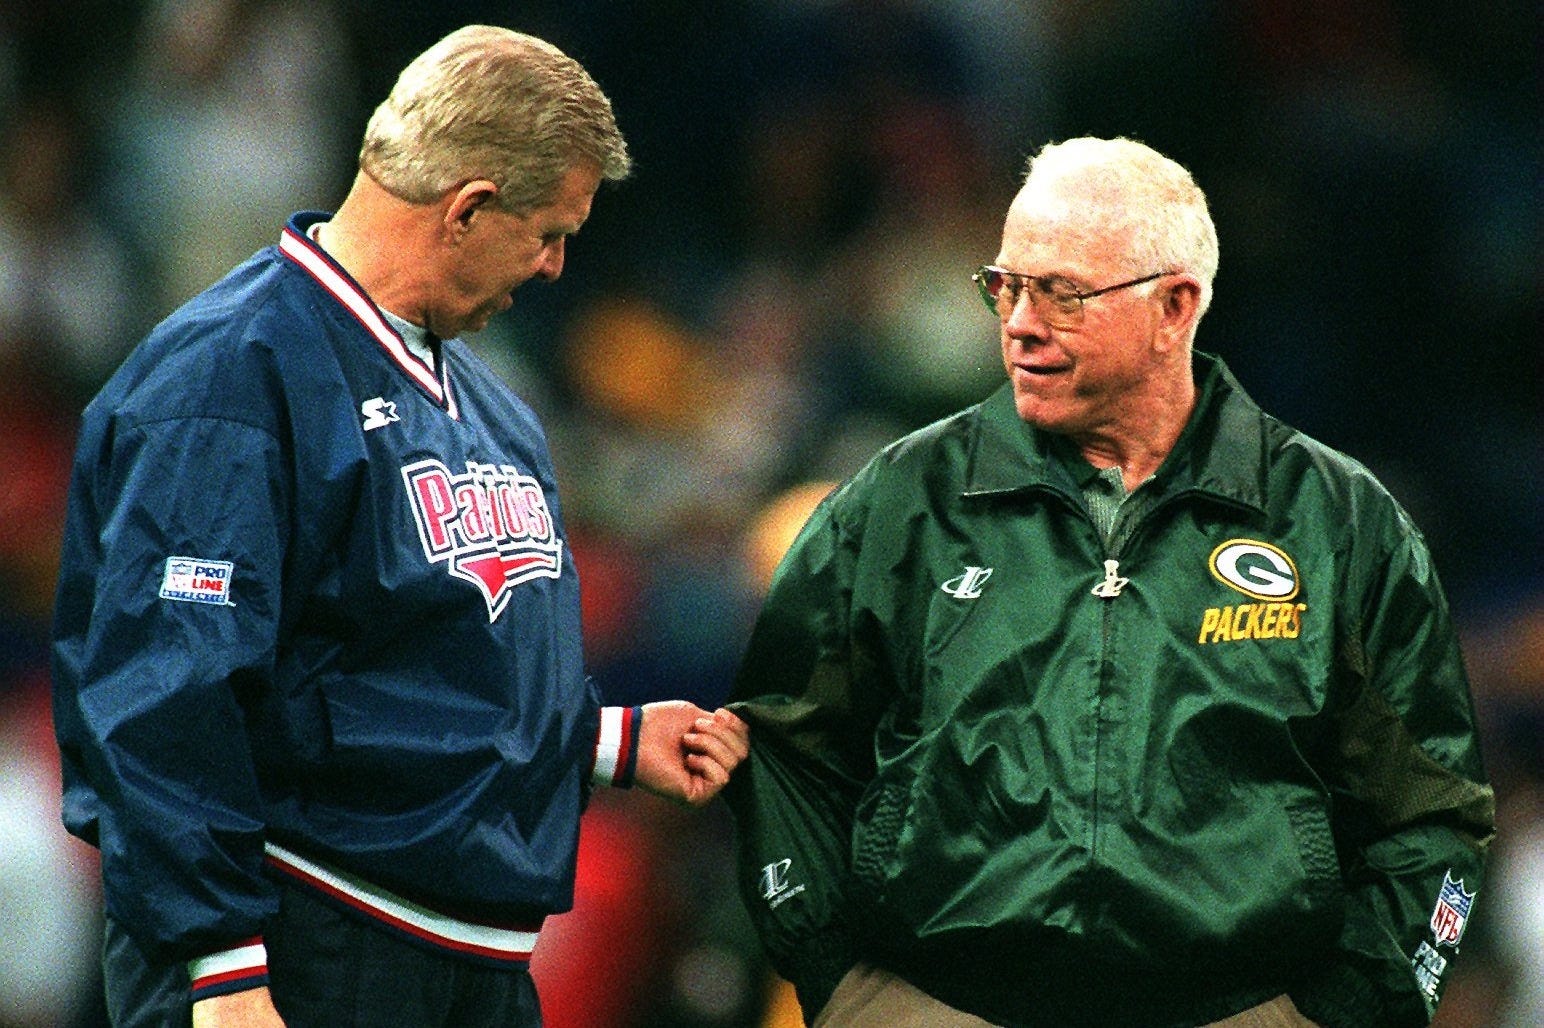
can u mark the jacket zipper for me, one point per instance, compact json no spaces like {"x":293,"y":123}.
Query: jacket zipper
{"x":1108,"y":590}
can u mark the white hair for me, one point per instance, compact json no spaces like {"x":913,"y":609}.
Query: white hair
{"x":1124,"y":187}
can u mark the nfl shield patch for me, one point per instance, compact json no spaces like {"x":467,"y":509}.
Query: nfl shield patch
{"x":1452,"y":911}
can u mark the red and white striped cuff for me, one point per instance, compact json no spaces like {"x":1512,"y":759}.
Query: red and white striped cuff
{"x":616,"y":746}
{"x":243,"y":966}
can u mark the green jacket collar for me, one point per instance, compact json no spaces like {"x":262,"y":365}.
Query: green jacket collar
{"x":1221,"y":452}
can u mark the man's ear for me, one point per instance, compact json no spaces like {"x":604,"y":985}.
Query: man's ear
{"x":465,"y":201}
{"x":1183,"y":298}
{"x":1181,"y":308}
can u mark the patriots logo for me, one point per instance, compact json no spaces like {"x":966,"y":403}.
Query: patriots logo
{"x":1451,"y":912}
{"x":490,"y":526}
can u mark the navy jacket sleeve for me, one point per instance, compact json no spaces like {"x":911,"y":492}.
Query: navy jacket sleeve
{"x":165,"y":633}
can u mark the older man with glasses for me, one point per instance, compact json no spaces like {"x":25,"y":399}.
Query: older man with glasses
{"x":1111,"y":700}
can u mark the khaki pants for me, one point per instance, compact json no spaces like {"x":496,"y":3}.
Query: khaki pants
{"x":871,"y":998}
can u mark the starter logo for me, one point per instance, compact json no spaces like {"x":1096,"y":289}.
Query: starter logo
{"x":491,"y":526}
{"x":377,"y":413}
{"x":193,"y":580}
{"x":1263,"y":573}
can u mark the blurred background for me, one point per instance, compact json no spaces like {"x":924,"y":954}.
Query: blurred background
{"x":782,"y":287}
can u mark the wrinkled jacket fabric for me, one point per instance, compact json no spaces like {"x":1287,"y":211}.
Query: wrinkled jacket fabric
{"x":1248,"y":767}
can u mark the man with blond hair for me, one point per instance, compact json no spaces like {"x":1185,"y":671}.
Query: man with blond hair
{"x":319,"y":687}
{"x":1111,"y":700}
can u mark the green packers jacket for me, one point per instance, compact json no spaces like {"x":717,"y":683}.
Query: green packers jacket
{"x":1057,"y":779}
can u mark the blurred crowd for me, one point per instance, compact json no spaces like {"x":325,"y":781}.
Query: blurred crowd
{"x":782,"y":287}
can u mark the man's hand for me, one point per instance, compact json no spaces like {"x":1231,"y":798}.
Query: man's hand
{"x":252,"y":1008}
{"x":686,"y":754}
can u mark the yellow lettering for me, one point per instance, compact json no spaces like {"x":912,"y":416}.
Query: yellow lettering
{"x":1208,"y":623}
{"x":1224,"y":630}
{"x":1251,"y":621}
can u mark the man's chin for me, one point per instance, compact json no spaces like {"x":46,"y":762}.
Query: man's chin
{"x":476,"y":322}
{"x":1038,"y":412}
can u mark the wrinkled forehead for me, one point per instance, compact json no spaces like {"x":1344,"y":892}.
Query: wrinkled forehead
{"x":1057,"y":226}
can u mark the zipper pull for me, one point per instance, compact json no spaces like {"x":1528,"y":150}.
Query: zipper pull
{"x":1112,"y":584}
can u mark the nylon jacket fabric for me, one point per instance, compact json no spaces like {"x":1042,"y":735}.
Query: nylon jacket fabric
{"x":316,"y":593}
{"x":1248,"y":769}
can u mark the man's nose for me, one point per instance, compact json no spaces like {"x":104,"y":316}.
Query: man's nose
{"x":550,"y":265}
{"x":1024,"y":317}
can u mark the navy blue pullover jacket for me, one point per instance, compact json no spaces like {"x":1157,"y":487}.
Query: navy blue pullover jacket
{"x":316,"y":617}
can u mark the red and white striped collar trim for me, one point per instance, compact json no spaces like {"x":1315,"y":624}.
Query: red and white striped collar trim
{"x":294,"y":245}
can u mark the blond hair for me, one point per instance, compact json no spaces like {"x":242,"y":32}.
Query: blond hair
{"x":1126,"y":188}
{"x":491,"y":103}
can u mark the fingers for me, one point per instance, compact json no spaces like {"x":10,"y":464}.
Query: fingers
{"x":708,"y":778}
{"x":714,"y":746}
{"x":720,"y":736}
{"x":740,"y":732}
{"x":686,"y":753}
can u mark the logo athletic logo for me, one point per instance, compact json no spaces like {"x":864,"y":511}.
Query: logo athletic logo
{"x":491,"y":526}
{"x":774,"y":883}
{"x":967,"y":586}
{"x":774,"y":878}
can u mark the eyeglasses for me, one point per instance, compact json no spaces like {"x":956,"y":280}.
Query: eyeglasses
{"x":1055,"y":301}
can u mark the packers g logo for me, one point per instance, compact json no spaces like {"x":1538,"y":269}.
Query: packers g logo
{"x":1258,"y":570}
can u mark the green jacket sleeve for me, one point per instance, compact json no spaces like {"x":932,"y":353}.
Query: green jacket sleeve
{"x":1414,"y":812}
{"x":801,"y":689}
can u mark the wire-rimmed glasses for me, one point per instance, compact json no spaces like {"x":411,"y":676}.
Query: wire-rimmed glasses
{"x":1055,"y":300}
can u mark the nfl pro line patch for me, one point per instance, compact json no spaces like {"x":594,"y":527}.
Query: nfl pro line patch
{"x":195,"y":580}
{"x":1448,"y":920}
